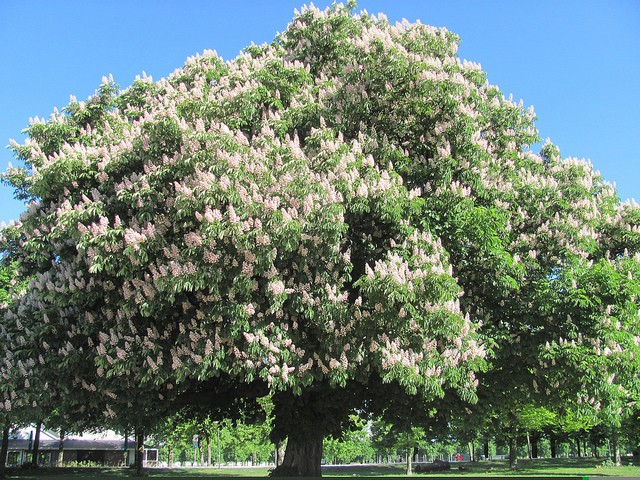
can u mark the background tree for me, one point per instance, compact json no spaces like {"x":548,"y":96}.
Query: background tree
{"x":599,"y":296}
{"x":534,"y":420}
{"x":354,"y":446}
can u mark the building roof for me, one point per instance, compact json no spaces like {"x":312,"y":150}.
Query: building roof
{"x":19,"y":439}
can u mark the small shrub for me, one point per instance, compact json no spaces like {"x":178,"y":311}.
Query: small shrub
{"x":607,"y":463}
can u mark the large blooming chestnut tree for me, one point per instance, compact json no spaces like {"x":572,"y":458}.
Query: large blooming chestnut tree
{"x":327,"y":219}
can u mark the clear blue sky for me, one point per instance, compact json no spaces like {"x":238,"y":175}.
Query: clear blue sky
{"x":575,"y":61}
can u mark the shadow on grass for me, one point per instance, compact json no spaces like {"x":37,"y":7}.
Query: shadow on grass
{"x":363,"y":470}
{"x":567,"y":468}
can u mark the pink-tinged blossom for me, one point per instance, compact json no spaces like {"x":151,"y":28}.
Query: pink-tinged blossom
{"x":193,"y":239}
{"x":276,"y":287}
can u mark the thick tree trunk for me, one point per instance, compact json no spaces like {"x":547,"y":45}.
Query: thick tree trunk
{"x":170,"y":456}
{"x":139,"y":452}
{"x":36,"y":446}
{"x":485,"y":449}
{"x":615,"y":447}
{"x":409,"y":458}
{"x":534,"y":446}
{"x":305,"y":420}
{"x":554,"y":446}
{"x":60,"y":461}
{"x":513,"y":450}
{"x":472,"y":452}
{"x":208,"y":452}
{"x":302,"y":457}
{"x":5,"y":447}
{"x":529,"y":454}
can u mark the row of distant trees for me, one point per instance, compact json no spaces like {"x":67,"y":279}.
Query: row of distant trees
{"x":349,"y":220}
{"x":238,"y":443}
{"x":229,"y":442}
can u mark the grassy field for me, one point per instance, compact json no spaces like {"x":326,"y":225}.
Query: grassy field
{"x":530,"y":469}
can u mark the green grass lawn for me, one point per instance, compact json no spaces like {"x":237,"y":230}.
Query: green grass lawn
{"x":566,"y":467}
{"x":583,"y":467}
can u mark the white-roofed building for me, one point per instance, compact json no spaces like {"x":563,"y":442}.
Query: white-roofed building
{"x":99,"y":448}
